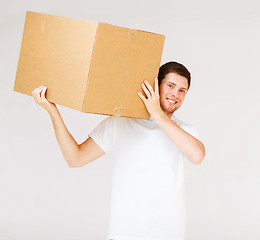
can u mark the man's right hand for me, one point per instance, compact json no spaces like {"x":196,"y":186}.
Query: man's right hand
{"x":39,"y":97}
{"x":76,"y":155}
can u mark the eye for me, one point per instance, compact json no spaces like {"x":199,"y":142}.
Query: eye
{"x":169,"y":85}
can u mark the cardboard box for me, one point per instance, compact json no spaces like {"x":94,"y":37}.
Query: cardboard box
{"x":88,"y":66}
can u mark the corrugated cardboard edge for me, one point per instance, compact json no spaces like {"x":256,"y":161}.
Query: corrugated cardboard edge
{"x":87,"y":80}
{"x":28,"y":12}
{"x":133,"y":29}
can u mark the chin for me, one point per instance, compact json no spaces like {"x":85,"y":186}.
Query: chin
{"x":172,"y":110}
{"x":169,"y":110}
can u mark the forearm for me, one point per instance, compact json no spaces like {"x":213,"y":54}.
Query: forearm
{"x":68,"y":145}
{"x":191,"y":147}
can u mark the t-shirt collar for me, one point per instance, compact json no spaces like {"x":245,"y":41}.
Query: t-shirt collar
{"x":172,"y":118}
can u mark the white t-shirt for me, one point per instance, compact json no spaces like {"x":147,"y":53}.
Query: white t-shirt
{"x":148,"y":200}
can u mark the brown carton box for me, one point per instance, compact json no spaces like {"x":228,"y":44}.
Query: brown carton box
{"x":88,"y":66}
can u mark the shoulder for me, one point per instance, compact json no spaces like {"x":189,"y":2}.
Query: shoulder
{"x":181,"y":124}
{"x":123,"y":123}
{"x":189,"y":128}
{"x":109,"y":120}
{"x":115,"y":120}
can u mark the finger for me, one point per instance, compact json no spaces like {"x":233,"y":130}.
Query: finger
{"x":141,"y":96}
{"x":149,"y":87}
{"x":148,"y":94}
{"x":43,"y":93}
{"x":156,"y":86}
{"x":36,"y":89}
{"x":38,"y":96}
{"x":35,"y":94}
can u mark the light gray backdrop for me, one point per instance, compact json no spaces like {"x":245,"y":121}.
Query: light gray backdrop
{"x":42,"y":198}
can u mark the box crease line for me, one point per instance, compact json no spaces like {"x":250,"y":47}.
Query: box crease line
{"x":87,"y":83}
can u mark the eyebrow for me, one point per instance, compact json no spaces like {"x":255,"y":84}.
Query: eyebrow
{"x":175,"y":85}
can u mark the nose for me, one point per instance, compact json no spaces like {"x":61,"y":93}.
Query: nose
{"x":175,"y":93}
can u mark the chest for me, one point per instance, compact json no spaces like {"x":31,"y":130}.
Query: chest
{"x":138,"y":146}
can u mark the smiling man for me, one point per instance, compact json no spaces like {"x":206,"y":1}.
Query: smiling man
{"x":148,"y":201}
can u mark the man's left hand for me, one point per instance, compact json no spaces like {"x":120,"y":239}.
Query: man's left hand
{"x":152,"y":102}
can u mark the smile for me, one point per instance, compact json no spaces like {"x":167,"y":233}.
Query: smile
{"x":171,"y":101}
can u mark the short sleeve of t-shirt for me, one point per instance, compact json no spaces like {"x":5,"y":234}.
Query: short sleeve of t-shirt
{"x":192,"y":131}
{"x":103,"y":134}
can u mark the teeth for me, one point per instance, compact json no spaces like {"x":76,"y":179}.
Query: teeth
{"x":171,"y":101}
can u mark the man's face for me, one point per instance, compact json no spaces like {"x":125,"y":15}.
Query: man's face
{"x":172,"y":91}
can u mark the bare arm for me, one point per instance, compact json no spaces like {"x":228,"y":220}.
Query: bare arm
{"x":75,"y":155}
{"x":191,"y":147}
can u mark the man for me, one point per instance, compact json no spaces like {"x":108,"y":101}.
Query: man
{"x":148,"y":183}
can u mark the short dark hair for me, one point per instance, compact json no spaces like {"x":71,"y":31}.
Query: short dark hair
{"x":173,"y":67}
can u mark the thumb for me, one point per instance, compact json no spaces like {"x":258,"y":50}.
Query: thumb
{"x":43,"y":93}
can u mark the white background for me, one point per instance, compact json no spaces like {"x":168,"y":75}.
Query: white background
{"x":218,"y":41}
